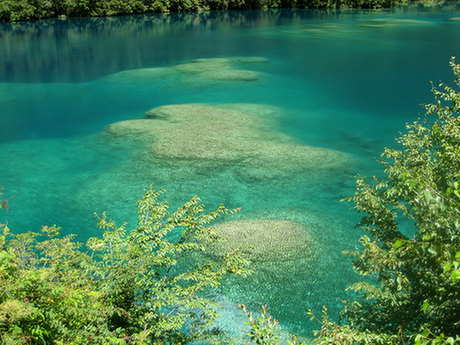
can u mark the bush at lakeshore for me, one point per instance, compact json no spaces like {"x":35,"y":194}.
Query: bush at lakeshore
{"x":413,"y":294}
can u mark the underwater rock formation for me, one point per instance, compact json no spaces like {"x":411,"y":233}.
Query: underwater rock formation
{"x":192,"y":132}
{"x":196,"y":71}
{"x":216,"y":69}
{"x":223,"y":135}
{"x":135,"y":129}
{"x":264,"y":239}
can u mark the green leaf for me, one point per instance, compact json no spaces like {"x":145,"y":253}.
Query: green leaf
{"x":455,"y":275}
{"x":398,"y":243}
{"x":447,"y":266}
{"x":425,"y":305}
{"x":432,"y":251}
{"x":428,"y":196}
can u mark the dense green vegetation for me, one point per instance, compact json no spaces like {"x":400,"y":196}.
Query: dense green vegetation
{"x":20,"y":10}
{"x":126,"y":287}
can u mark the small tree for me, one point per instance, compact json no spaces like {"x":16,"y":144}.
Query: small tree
{"x":130,"y":287}
{"x":413,"y":291}
{"x":416,"y":270}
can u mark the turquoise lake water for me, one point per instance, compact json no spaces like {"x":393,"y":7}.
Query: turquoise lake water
{"x":338,"y":85}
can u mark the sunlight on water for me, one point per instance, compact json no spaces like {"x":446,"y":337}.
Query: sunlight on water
{"x":274,"y":112}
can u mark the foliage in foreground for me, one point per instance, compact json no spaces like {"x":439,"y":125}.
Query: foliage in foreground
{"x":129,"y":287}
{"x":20,"y":10}
{"x":417,"y":272}
{"x":412,"y":295}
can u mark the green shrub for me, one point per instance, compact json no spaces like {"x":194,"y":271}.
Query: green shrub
{"x":129,"y":287}
{"x":416,"y":269}
{"x":412,"y":295}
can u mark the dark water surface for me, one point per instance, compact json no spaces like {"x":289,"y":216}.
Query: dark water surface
{"x":343,"y":81}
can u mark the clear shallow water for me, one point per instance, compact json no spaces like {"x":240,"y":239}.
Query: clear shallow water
{"x":340,"y":80}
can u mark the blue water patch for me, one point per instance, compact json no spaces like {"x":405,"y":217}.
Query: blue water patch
{"x":336,"y":83}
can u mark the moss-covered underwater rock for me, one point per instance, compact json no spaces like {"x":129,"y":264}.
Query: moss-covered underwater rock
{"x":141,"y":130}
{"x":226,"y":135}
{"x":197,"y":71}
{"x":221,"y":68}
{"x":192,"y":132}
{"x":264,"y":239}
{"x":275,"y":160}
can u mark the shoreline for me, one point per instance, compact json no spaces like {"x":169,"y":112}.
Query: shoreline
{"x":27,"y":11}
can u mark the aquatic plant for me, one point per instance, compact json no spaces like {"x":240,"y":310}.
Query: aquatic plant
{"x":3,"y":203}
